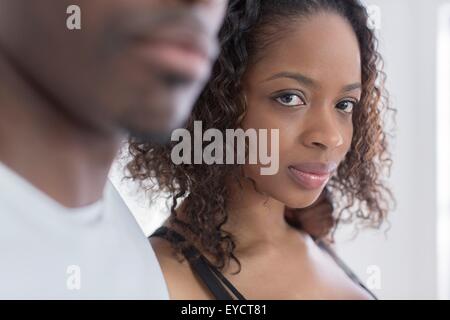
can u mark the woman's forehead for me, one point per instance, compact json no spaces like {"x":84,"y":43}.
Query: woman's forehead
{"x":320,"y":47}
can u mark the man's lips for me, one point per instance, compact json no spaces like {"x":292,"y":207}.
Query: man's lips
{"x":179,"y":51}
{"x":312,"y":175}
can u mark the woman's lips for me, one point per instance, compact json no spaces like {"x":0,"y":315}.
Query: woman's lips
{"x":310,"y":181}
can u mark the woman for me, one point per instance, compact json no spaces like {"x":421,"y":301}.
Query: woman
{"x":310,"y":69}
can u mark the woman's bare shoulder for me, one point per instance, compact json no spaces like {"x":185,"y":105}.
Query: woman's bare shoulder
{"x":181,"y":282}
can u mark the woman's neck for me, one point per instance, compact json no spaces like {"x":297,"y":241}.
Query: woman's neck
{"x":256,"y":222}
{"x":255,"y":219}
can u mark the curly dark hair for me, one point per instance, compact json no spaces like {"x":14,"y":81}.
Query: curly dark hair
{"x":251,"y":25}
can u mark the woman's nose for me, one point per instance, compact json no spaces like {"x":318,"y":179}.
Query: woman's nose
{"x":322,"y":129}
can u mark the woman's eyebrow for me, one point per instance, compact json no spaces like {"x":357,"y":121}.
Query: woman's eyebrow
{"x":309,"y":82}
{"x":351,"y":87}
{"x":300,"y":78}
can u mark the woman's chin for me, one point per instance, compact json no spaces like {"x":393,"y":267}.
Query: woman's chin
{"x":302,"y":199}
{"x":302,"y":202}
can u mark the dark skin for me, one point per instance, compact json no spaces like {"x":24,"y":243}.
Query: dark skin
{"x":317,"y":219}
{"x":69,"y":97}
{"x":279,"y":261}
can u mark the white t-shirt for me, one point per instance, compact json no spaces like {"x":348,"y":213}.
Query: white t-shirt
{"x":48,"y":251}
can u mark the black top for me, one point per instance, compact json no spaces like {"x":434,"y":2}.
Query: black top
{"x":216,"y":282}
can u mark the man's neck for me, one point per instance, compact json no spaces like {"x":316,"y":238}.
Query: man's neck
{"x":48,"y":148}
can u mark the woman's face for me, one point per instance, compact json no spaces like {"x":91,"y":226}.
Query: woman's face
{"x":306,"y":84}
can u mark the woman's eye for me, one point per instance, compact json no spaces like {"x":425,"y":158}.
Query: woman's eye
{"x":347,"y":105}
{"x":290,"y":100}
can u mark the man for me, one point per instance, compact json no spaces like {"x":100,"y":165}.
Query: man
{"x":68,"y":97}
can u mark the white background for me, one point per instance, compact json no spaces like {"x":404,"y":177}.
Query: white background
{"x":408,"y":258}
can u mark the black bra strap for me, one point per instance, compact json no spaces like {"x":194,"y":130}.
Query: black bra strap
{"x":205,"y":273}
{"x":215,"y":280}
{"x":201,"y":266}
{"x":228,"y":284}
{"x":344,"y":267}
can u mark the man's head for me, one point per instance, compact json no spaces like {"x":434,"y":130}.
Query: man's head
{"x":137,"y":65}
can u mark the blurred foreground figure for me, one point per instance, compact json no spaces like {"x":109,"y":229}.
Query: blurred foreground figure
{"x":67,"y":100}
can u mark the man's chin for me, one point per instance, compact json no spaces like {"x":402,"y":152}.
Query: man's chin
{"x":157,"y":126}
{"x":158,"y":137}
{"x":159,"y":134}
